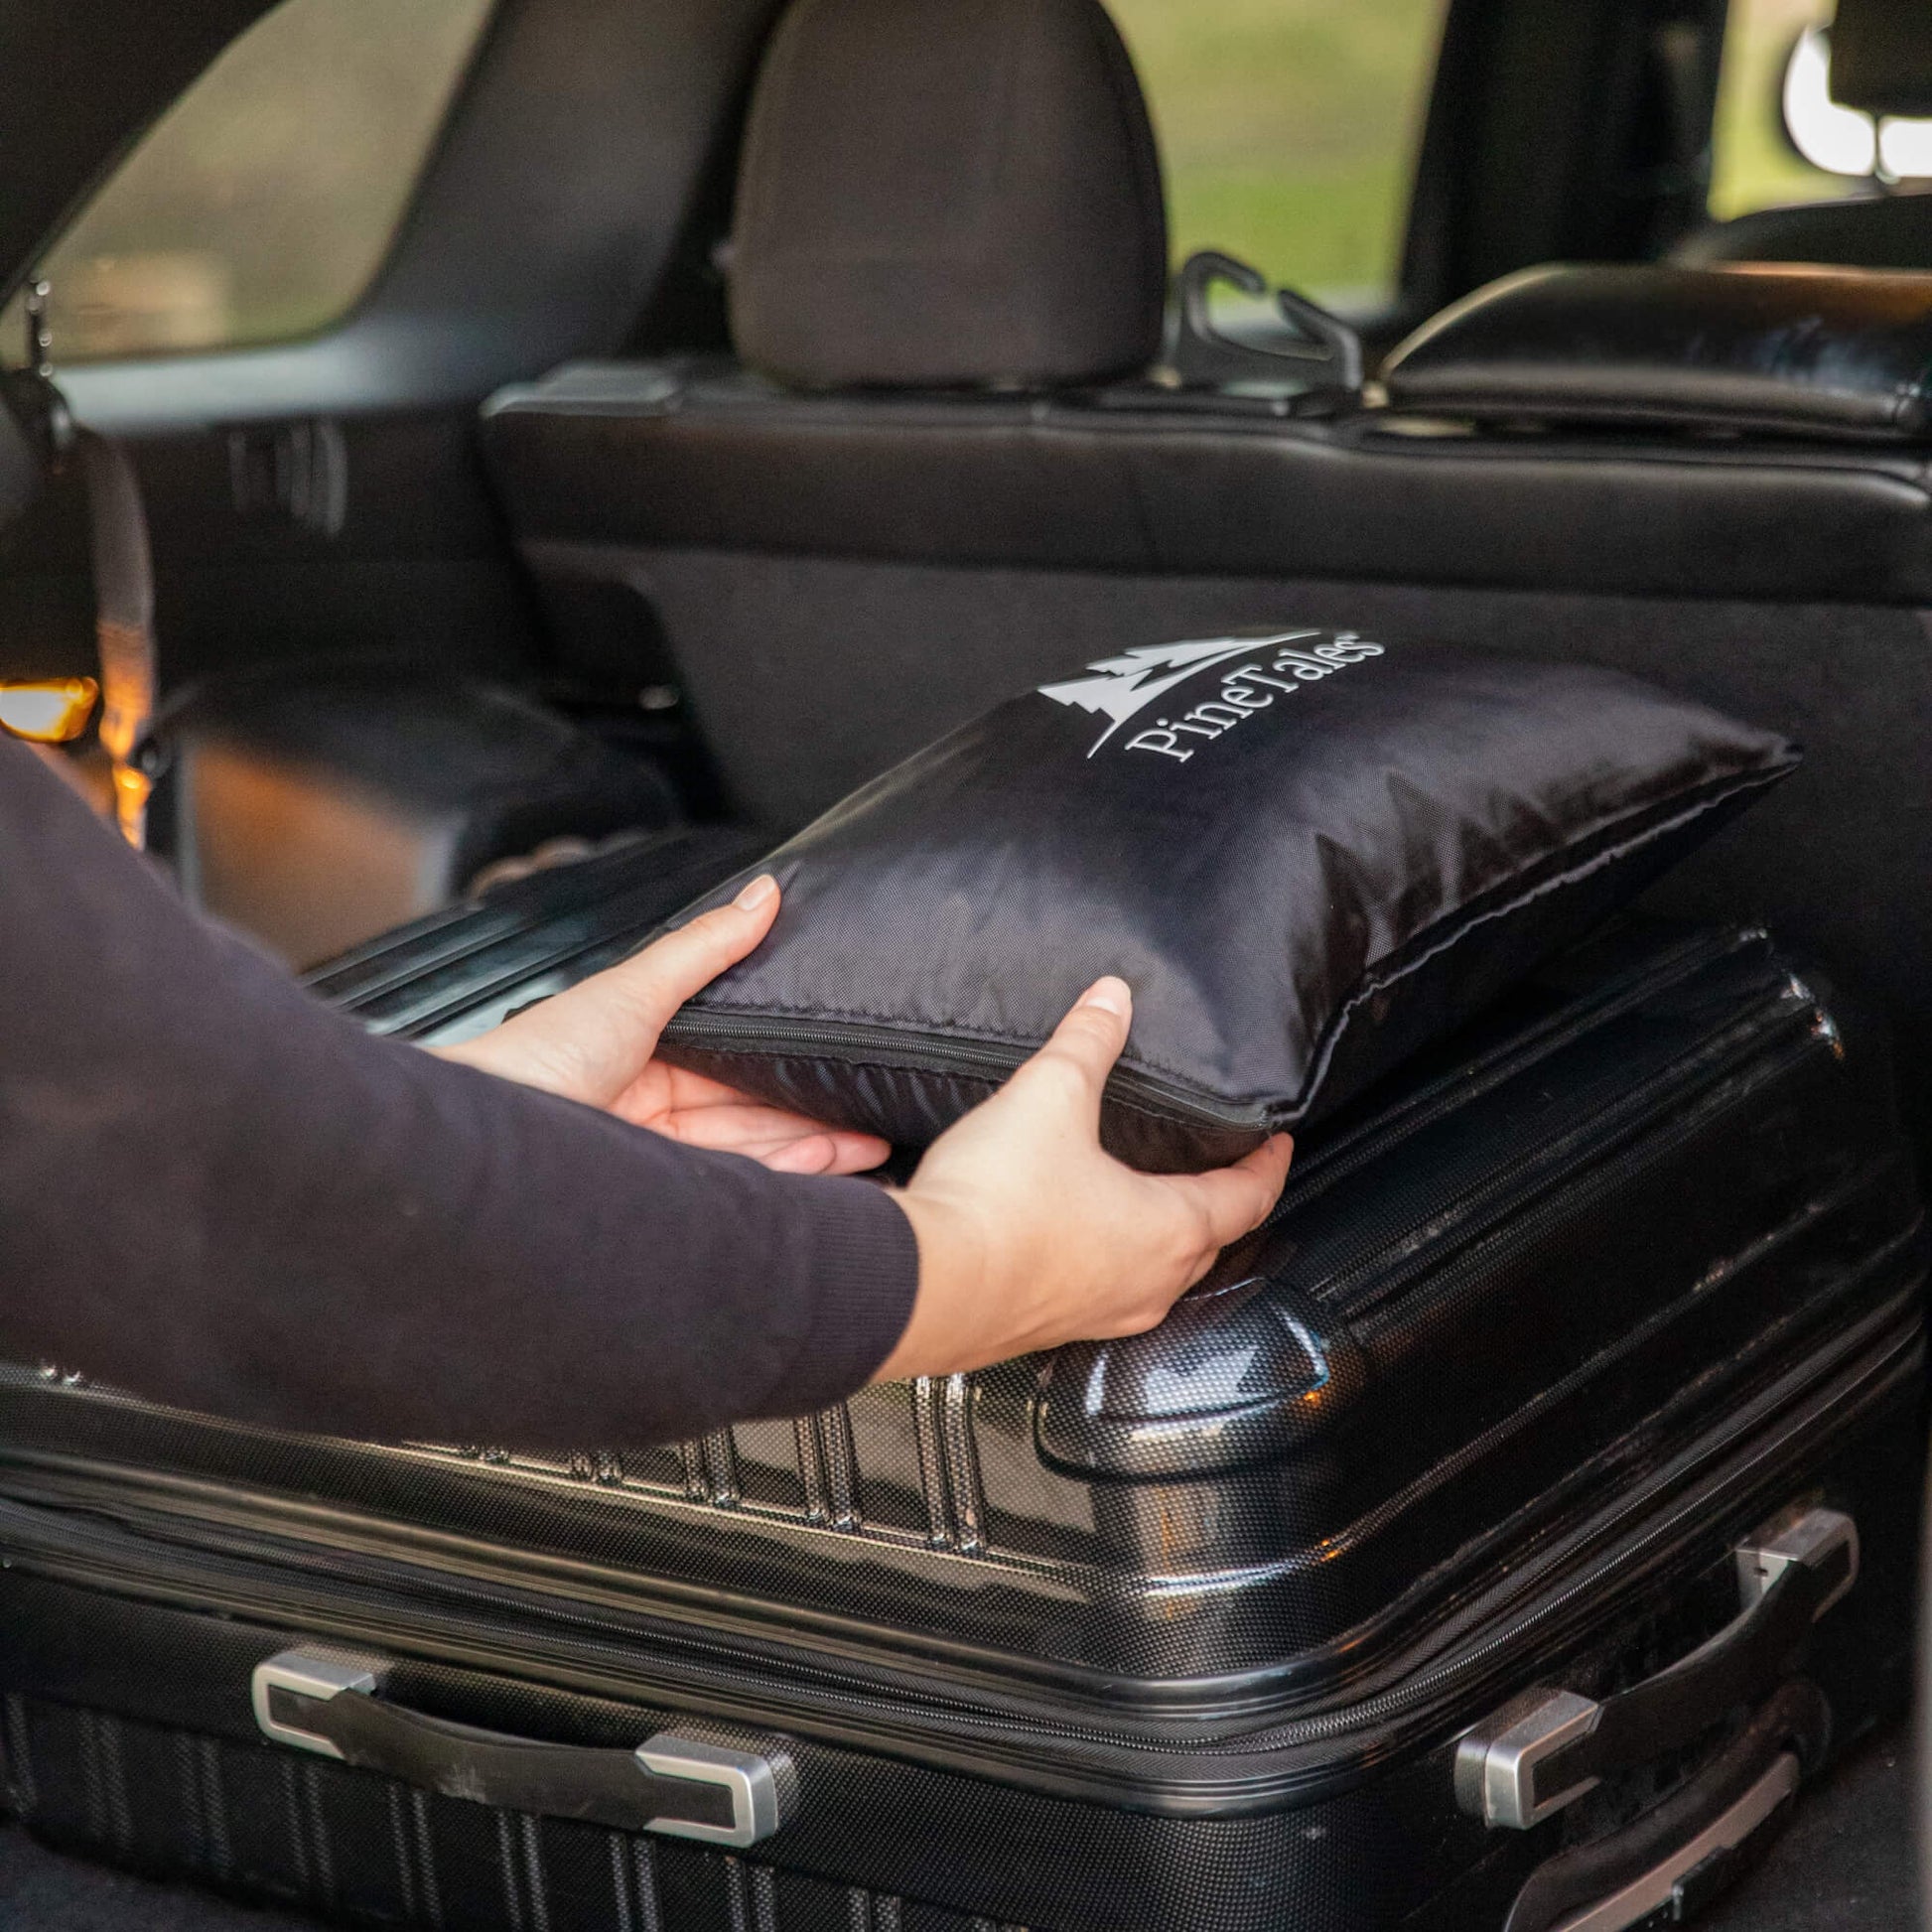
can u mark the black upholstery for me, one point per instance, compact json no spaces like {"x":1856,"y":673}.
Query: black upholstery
{"x":947,"y":191}
{"x":20,"y":478}
{"x":840,"y":580}
{"x":1860,"y":231}
{"x":1801,"y":352}
{"x":609,"y":464}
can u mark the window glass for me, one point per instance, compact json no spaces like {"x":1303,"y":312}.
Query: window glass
{"x":1753,"y":165}
{"x":1288,"y":129}
{"x":262,"y":204}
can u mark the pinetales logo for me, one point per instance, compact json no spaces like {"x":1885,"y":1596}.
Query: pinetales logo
{"x":1121,"y":688}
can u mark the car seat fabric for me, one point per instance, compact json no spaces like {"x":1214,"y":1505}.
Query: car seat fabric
{"x":1881,"y":56}
{"x":943,"y":192}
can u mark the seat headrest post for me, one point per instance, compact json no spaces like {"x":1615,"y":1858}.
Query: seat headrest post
{"x":948,"y":193}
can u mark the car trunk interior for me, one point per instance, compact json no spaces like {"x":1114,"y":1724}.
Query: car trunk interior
{"x":524,"y":551}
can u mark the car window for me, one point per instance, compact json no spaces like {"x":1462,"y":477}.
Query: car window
{"x":1754,"y":163}
{"x":260,"y":206}
{"x":1288,"y":131}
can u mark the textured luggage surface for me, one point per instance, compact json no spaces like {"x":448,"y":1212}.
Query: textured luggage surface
{"x":457,"y":972}
{"x":1170,"y":1633}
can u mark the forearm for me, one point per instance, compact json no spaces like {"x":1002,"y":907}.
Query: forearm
{"x":218,"y":1193}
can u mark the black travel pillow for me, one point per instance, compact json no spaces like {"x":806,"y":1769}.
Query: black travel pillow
{"x":1308,"y":852}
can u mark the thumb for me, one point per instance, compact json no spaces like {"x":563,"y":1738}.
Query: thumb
{"x":659,"y":980}
{"x":1081,"y":1050}
{"x":591,"y":1041}
{"x":1233,"y":1200}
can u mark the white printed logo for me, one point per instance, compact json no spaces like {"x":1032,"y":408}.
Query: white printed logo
{"x":1123,"y":687}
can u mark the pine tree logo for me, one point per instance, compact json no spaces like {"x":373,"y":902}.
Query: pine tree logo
{"x":1122,"y":686}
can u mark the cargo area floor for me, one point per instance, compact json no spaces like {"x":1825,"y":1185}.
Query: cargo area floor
{"x":1845,"y":1861}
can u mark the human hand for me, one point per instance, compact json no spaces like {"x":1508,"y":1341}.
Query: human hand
{"x":1030,"y":1235}
{"x":595,"y":1043}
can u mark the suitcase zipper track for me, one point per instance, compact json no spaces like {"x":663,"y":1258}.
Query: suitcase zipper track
{"x":1596,"y":1156}
{"x":1335,"y":1161}
{"x":1288,"y":1760}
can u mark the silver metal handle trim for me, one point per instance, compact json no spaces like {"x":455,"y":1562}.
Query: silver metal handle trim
{"x":1808,"y":1538}
{"x":309,"y":1673}
{"x":1653,"y":1892}
{"x":1496,"y":1765}
{"x":750,"y":1778}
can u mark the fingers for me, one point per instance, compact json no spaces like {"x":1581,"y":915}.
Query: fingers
{"x":761,"y":1131}
{"x":855,"y":1153}
{"x":1234,"y":1201}
{"x":654,"y":983}
{"x":703,"y":1112}
{"x":813,"y":1155}
{"x":1085,"y":1045}
{"x":742,"y":1123}
{"x":820,"y":1153}
{"x":687,"y":1091}
{"x":592,"y":1040}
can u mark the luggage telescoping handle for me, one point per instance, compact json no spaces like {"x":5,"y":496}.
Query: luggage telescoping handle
{"x":679,"y":1786}
{"x":1545,"y":1748}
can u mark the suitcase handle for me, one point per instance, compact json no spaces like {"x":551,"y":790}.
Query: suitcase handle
{"x":682,"y":1787}
{"x":1545,"y":1748}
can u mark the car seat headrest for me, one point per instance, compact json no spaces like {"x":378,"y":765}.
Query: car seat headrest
{"x":1881,"y":56}
{"x":939,"y":192}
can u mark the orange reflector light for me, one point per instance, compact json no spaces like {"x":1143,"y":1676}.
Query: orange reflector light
{"x":49,"y":711}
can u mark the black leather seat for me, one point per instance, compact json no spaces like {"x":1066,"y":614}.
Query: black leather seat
{"x":801,"y":552}
{"x":1866,"y":231}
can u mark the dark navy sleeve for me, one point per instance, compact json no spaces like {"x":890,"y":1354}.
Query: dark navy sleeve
{"x":217,"y":1192}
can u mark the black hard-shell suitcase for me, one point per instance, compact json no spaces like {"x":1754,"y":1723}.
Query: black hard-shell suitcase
{"x":1497,"y":1538}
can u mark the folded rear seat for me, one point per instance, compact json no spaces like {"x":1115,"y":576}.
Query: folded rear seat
{"x":945,"y":473}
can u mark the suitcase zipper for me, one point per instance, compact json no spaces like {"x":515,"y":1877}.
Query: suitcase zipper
{"x":1599,"y":1153}
{"x":1333,"y":1160}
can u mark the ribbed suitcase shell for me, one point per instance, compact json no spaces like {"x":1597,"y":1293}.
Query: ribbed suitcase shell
{"x":1169,"y":1632}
